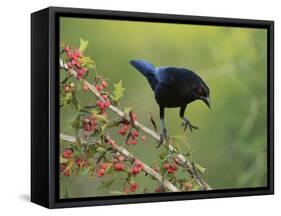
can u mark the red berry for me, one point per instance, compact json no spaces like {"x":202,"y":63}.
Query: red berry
{"x":134,"y":142}
{"x":86,"y":126}
{"x":118,"y":166}
{"x":105,"y":97}
{"x":78,"y":64}
{"x":139,"y":164}
{"x":107,"y":104}
{"x":73,"y":62}
{"x":170,"y":170}
{"x":174,"y":167}
{"x":69,"y":54}
{"x":67,"y":153}
{"x":81,"y":162}
{"x":67,"y":49}
{"x":122,"y":131}
{"x":100,"y":172}
{"x":77,"y":53}
{"x":104,"y":83}
{"x":84,"y":69}
{"x":100,"y":87}
{"x":63,"y":170}
{"x":100,"y":105}
{"x":69,"y":65}
{"x":80,"y":72}
{"x":166,"y":165}
{"x":104,"y":165}
{"x":135,"y":170}
{"x":135,"y":134}
{"x":85,"y":87}
{"x":74,"y":57}
{"x":134,"y":187}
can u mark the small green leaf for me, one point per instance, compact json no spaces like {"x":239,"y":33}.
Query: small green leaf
{"x":87,"y":62}
{"x":84,"y":171}
{"x":182,"y":139}
{"x":118,"y":90}
{"x":83,"y":45}
{"x":74,"y":101}
{"x":107,"y":184}
{"x":101,"y":150}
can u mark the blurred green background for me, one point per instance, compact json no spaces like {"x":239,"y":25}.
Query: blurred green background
{"x":232,"y":140}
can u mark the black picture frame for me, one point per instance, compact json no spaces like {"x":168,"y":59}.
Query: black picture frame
{"x":45,"y":96}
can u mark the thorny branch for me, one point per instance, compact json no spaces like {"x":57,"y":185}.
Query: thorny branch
{"x":184,"y":162}
{"x":147,"y":169}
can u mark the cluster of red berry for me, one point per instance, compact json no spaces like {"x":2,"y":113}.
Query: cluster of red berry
{"x":106,"y":102}
{"x":171,"y":168}
{"x":132,"y":188}
{"x":68,"y":87}
{"x":74,"y":57}
{"x":118,"y":164}
{"x":124,"y":128}
{"x":101,"y":169}
{"x":82,"y":162}
{"x":64,"y":170}
{"x":134,"y":134}
{"x":138,"y":167}
{"x":90,"y":123}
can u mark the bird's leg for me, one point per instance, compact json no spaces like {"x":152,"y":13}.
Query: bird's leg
{"x":163,"y":134}
{"x":186,"y":123}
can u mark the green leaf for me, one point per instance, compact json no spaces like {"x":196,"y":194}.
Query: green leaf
{"x":74,"y":101}
{"x":100,"y":118}
{"x":83,"y":45}
{"x":84,"y":171}
{"x":107,"y":184}
{"x":181,"y":139}
{"x":118,"y":90}
{"x":87,"y":62}
{"x":101,"y":149}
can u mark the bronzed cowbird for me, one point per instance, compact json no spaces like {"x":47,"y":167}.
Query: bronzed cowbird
{"x":173,"y":87}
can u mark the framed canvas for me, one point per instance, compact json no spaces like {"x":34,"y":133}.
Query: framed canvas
{"x":138,"y":107}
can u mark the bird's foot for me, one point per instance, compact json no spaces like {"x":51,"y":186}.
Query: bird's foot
{"x":186,"y":123}
{"x":163,"y":138}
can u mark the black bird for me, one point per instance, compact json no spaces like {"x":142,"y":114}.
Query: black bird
{"x":173,"y":87}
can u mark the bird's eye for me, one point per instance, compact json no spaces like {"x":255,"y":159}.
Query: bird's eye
{"x":200,"y":91}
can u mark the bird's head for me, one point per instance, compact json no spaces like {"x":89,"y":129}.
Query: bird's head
{"x":202,"y":92}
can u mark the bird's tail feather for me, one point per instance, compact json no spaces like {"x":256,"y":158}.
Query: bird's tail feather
{"x":143,"y":66}
{"x":146,"y":69}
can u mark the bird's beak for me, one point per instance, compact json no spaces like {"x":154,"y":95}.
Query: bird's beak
{"x":207,"y":101}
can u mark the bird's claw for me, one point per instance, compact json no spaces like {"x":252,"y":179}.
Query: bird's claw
{"x":163,"y":138}
{"x":186,"y":123}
